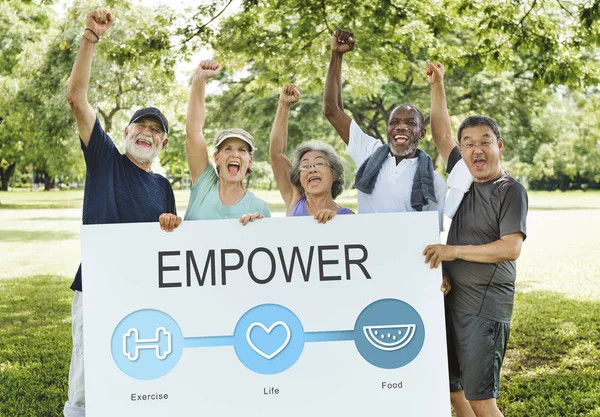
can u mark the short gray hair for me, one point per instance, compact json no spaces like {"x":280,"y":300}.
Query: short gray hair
{"x":334,"y":160}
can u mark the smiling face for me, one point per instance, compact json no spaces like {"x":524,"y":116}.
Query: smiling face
{"x":233,"y":159}
{"x":405,"y":130}
{"x":480,"y":149}
{"x":316,"y":176}
{"x":144,"y":140}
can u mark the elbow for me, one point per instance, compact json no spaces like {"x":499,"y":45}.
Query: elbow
{"x":513,"y":253}
{"x":75,"y":99}
{"x":516,"y":253}
{"x":188,"y":143}
{"x":329,"y":111}
{"x":275,"y":153}
{"x":272,"y":154}
{"x":71,"y":98}
{"x":192,"y":135}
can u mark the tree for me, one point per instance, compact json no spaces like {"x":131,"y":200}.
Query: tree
{"x":505,"y":59}
{"x":22,"y":25}
{"x":133,"y":67}
{"x":569,"y":154}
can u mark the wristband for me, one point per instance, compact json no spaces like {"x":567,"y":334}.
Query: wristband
{"x":88,"y":39}
{"x":94,"y":32}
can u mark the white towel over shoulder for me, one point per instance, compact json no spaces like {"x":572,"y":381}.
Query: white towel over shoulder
{"x":459,"y":182}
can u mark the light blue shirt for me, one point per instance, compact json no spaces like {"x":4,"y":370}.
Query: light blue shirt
{"x":205,"y":203}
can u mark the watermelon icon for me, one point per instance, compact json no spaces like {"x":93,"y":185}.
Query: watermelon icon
{"x":390,"y":338}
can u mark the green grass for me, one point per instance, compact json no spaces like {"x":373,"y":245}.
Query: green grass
{"x":559,"y":200}
{"x":551,"y":367}
{"x":29,"y":235}
{"x":35,"y":346}
{"x":41,"y":199}
{"x":539,"y":200}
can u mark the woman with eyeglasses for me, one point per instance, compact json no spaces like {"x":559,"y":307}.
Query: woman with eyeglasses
{"x":314,"y":177}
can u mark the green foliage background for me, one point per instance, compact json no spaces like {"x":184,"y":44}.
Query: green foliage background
{"x":531,"y":65}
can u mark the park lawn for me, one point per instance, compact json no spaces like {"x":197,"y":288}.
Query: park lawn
{"x":538,"y":200}
{"x":35,"y":345}
{"x":26,"y":199}
{"x":551,"y":368}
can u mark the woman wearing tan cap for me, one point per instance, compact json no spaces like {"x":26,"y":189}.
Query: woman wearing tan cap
{"x":218,"y":190}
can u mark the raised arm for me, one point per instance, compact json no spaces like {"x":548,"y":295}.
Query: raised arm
{"x":280,"y":163}
{"x":441,"y":128}
{"x":97,"y":23}
{"x":333,"y":109}
{"x":195,"y":145}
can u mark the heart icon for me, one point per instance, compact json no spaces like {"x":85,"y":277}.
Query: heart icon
{"x":268,"y":331}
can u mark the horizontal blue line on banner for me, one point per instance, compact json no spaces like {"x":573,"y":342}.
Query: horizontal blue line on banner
{"x":329,"y":336}
{"x":207,"y":341}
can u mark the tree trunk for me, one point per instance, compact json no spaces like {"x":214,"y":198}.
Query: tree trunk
{"x":563,"y":183}
{"x":6,"y":175}
{"x":48,"y":182}
{"x":107,"y":120}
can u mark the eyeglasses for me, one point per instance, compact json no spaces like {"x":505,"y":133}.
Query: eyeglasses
{"x":471,"y":145}
{"x":317,"y":165}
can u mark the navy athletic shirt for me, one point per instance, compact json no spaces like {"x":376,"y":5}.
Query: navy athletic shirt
{"x":117,"y":190}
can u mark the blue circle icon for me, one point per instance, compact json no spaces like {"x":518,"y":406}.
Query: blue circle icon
{"x":268,"y":339}
{"x":389,"y":333}
{"x":147,"y":344}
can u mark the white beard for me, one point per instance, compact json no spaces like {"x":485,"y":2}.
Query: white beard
{"x":141,"y":155}
{"x":411,"y":148}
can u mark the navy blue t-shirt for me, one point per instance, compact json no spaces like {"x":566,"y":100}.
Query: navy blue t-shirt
{"x":117,"y":190}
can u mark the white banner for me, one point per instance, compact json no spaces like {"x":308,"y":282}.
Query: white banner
{"x":283,"y":316}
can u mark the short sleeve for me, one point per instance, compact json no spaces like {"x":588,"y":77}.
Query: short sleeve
{"x":360,"y":145}
{"x":200,"y":191}
{"x":453,"y":159}
{"x":100,"y":148}
{"x":513,"y":210}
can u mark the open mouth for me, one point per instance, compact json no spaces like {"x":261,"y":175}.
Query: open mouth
{"x":400,"y":139}
{"x":143,"y":143}
{"x":479,"y":163}
{"x":314,"y":181}
{"x":233,"y":168}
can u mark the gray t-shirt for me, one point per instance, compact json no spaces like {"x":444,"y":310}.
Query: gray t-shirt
{"x":487,"y":212}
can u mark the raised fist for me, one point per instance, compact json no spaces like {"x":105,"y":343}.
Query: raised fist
{"x":290,"y":94}
{"x":207,"y":69}
{"x":342,"y":41}
{"x":435,"y":73}
{"x":99,"y":21}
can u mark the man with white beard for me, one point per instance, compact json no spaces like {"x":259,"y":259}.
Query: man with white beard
{"x":118,"y":188}
{"x":398,"y":177}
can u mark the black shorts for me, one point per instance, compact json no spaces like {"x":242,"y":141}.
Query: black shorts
{"x":476,"y":348}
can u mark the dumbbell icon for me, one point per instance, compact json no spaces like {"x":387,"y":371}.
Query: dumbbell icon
{"x":132,"y":344}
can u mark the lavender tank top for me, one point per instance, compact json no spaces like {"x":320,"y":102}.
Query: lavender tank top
{"x":300,"y":209}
